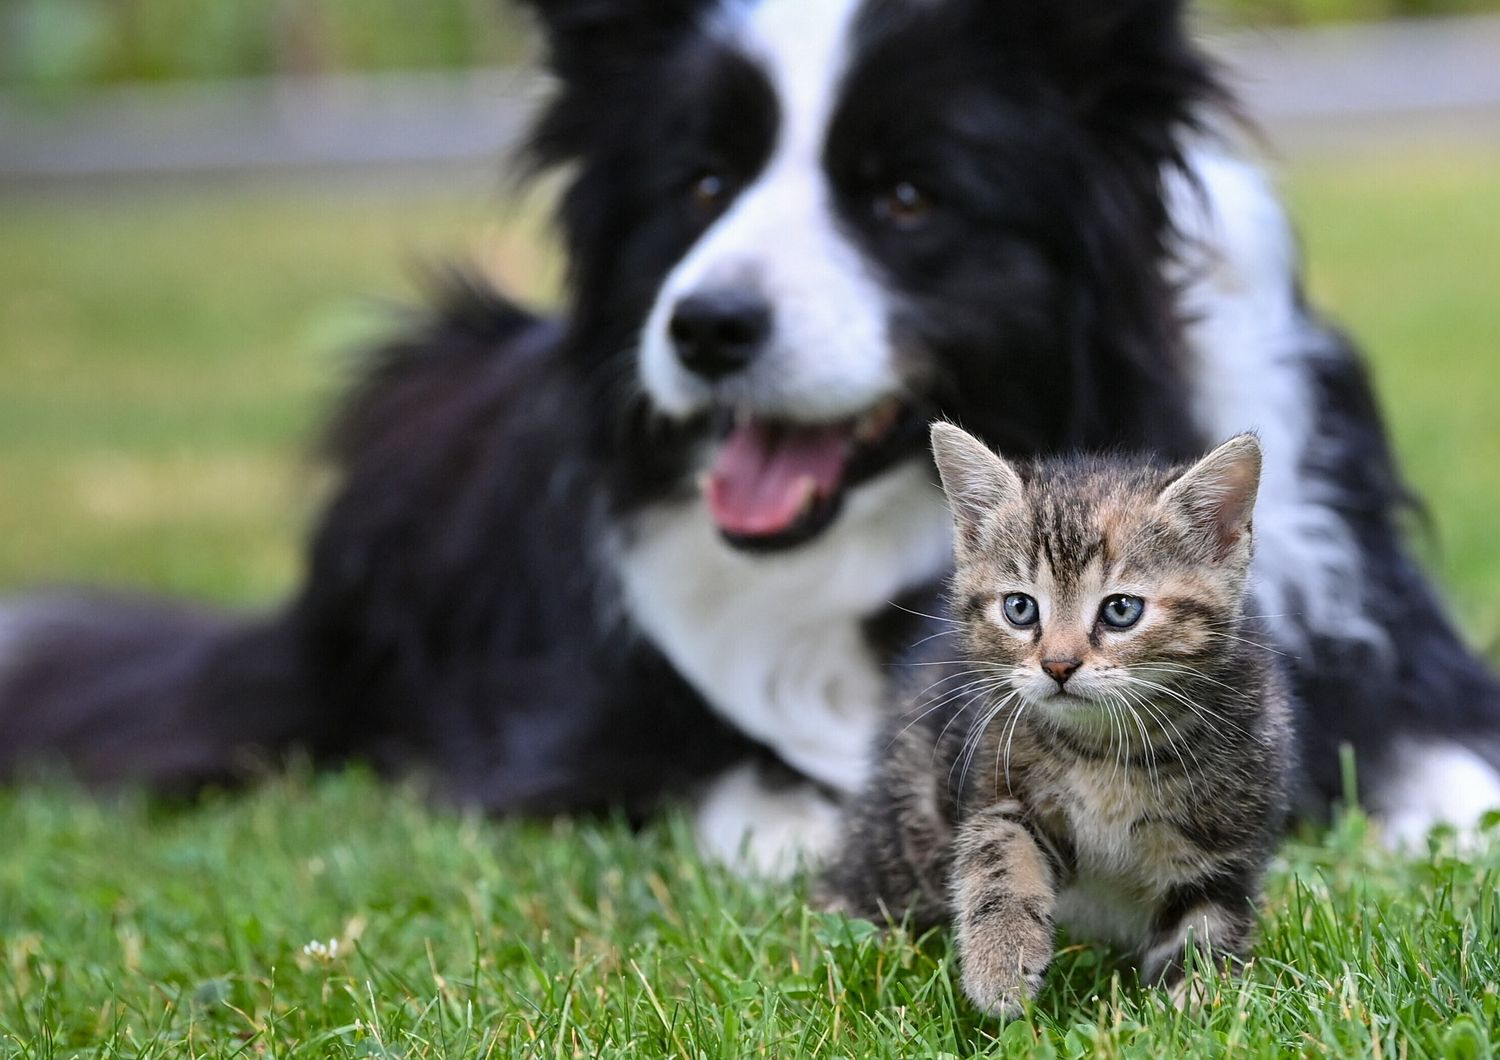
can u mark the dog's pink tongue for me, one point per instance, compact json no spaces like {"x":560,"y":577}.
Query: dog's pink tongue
{"x":766,"y":475}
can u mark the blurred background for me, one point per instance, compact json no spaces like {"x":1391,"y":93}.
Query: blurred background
{"x":59,"y":46}
{"x":208,"y":206}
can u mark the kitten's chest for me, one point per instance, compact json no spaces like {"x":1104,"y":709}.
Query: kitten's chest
{"x":1121,"y":825}
{"x":1119,"y":833}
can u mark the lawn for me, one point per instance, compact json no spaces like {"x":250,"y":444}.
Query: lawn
{"x":164,"y":356}
{"x":50,"y":48}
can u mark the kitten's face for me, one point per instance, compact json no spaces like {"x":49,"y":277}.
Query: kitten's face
{"x":1094,"y":586}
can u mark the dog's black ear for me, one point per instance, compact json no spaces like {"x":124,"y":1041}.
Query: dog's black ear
{"x":1140,"y":56}
{"x":1124,"y":64}
{"x":601,"y":52}
{"x":1147,"y":65}
{"x":587,"y":39}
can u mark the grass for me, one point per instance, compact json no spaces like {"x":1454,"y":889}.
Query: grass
{"x":165,"y":353}
{"x":137,"y":931}
{"x":1406,"y":253}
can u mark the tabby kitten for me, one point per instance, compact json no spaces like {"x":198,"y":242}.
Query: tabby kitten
{"x":1112,"y":750}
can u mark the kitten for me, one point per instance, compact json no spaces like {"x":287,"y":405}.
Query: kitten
{"x":1112,"y":750}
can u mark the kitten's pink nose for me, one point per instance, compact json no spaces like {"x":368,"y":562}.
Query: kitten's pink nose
{"x":1061,"y":669}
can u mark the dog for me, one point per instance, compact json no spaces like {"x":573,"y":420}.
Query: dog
{"x":678,"y":539}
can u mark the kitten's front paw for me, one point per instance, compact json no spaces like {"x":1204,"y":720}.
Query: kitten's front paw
{"x":1001,"y":972}
{"x":1001,"y":991}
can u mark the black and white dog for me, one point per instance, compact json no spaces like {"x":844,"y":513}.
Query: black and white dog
{"x":679,"y":538}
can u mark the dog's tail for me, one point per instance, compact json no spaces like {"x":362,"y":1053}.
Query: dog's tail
{"x":120,"y":690}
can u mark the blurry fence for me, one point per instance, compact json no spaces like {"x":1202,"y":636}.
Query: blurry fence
{"x":1314,"y":89}
{"x":55,"y":47}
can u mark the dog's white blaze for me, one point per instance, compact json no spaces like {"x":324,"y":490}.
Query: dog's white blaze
{"x":830,"y":353}
{"x":777,"y":643}
{"x":1250,"y":343}
{"x":764,"y":831}
{"x":1434,"y":781}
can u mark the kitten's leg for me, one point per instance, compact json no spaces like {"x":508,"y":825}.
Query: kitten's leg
{"x":1214,"y":917}
{"x":894,"y":857}
{"x":1004,"y":889}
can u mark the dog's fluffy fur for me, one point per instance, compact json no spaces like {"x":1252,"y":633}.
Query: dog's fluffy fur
{"x":1023,"y":217}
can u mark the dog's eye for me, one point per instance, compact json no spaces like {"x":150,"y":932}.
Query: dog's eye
{"x":1020,"y":610}
{"x":709,"y":191}
{"x":903,"y":205}
{"x":1122,"y":612}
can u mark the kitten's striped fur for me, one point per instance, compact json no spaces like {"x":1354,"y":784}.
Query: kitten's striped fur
{"x":1136,"y":789}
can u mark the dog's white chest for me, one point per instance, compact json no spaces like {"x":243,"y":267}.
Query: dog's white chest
{"x":776,"y":643}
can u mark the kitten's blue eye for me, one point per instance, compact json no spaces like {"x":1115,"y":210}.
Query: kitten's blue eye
{"x":1121,"y":611}
{"x":1020,"y":610}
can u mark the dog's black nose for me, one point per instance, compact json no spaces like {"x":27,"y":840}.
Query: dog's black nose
{"x":719,"y":332}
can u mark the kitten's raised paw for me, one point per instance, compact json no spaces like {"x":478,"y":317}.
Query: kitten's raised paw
{"x":1000,"y":994}
{"x":1003,"y":969}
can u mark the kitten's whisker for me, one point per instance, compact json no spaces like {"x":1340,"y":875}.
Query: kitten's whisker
{"x":948,"y":695}
{"x":1014,"y":694}
{"x":924,"y":640}
{"x":972,"y":673}
{"x":936,"y":618}
{"x":1121,"y":746}
{"x":973,"y":690}
{"x":1200,"y":712}
{"x":1164,"y":720}
{"x":1186,"y":744}
{"x":1203,"y":713}
{"x":1247,"y":640}
{"x":1147,"y":751}
{"x":973,"y":738}
{"x":1010,"y":738}
{"x":1122,"y":741}
{"x":1171,"y":693}
{"x":976,"y":687}
{"x":975,"y":678}
{"x":1008,"y":732}
{"x":952,"y":662}
{"x":1191,"y":671}
{"x":970,"y":746}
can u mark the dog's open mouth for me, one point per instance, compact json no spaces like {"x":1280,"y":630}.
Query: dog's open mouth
{"x":774,"y":483}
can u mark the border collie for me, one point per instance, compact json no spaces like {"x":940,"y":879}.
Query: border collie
{"x":678,"y":539}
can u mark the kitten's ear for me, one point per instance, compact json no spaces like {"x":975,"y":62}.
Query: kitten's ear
{"x":974,"y":478}
{"x":1218,"y":492}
